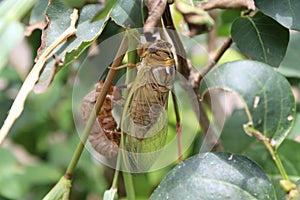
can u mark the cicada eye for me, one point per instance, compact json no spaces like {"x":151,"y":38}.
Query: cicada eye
{"x":152,"y":48}
{"x":164,"y":75}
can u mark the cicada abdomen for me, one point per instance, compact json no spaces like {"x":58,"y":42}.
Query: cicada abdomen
{"x":145,"y":112}
{"x":104,"y":136}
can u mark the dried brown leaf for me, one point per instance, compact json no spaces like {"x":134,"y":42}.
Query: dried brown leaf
{"x":197,"y":19}
{"x":227,"y":4}
{"x":156,"y":9}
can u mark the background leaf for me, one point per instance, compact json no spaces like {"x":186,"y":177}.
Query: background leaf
{"x":103,"y":12}
{"x":290,"y":64}
{"x":128,"y":13}
{"x":39,"y":11}
{"x":87,"y":32}
{"x":261,"y":38}
{"x":16,"y":178}
{"x":216,"y":176}
{"x":11,"y":30}
{"x":267,"y":95}
{"x":285,"y":12}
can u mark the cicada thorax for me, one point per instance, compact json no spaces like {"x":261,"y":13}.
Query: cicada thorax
{"x":145,"y":123}
{"x":104,"y":136}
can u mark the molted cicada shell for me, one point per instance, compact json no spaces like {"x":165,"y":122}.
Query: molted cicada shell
{"x":104,"y":136}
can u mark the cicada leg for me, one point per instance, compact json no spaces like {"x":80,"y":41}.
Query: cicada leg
{"x":178,"y":127}
{"x":131,"y":65}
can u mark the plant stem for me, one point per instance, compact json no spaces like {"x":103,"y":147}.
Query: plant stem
{"x":215,"y":60}
{"x":271,"y":150}
{"x":100,"y":99}
{"x":281,"y":167}
{"x":128,"y":182}
{"x":117,"y":171}
{"x":132,"y":57}
{"x":178,"y":127}
{"x":277,"y":160}
{"x":129,"y":185}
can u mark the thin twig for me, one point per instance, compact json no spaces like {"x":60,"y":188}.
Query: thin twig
{"x":178,"y":127}
{"x":204,"y":121}
{"x":213,"y":62}
{"x":18,"y":105}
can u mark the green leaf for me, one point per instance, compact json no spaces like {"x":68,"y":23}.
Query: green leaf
{"x":14,"y":10}
{"x":267,"y":95}
{"x":39,"y":11}
{"x":79,"y":3}
{"x":226,"y":18}
{"x":216,"y":176}
{"x":11,"y":178}
{"x":288,"y":152}
{"x":261,"y":38}
{"x":290,"y":64}
{"x":128,"y":13}
{"x":233,"y":132}
{"x":16,"y":179}
{"x":103,"y":12}
{"x":285,"y":12}
{"x":41,"y":173}
{"x":87,"y":32}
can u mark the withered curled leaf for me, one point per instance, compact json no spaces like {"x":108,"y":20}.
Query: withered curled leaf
{"x":197,"y":19}
{"x":227,"y":4}
{"x":156,"y":9}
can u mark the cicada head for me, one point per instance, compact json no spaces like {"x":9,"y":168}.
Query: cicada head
{"x":158,"y":52}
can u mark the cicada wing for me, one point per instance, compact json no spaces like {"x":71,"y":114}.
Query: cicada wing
{"x":141,"y":154}
{"x":145,"y":125}
{"x":146,"y":113}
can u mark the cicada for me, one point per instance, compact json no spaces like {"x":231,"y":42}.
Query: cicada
{"x":104,"y":136}
{"x":144,"y":119}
